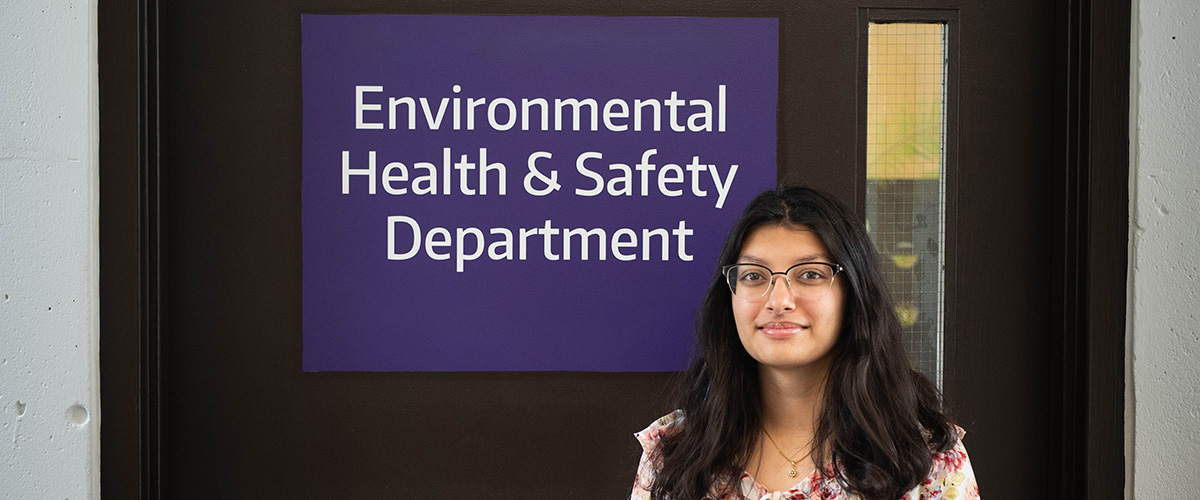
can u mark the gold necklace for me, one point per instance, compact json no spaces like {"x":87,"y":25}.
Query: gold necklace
{"x":791,"y":473}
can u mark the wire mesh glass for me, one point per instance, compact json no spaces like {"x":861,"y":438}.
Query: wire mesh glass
{"x":906,"y":132}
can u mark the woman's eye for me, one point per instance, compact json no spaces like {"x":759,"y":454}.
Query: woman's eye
{"x":810,"y":275}
{"x":752,"y":276}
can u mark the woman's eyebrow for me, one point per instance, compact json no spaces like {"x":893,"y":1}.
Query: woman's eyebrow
{"x":751,"y":259}
{"x":816,"y":257}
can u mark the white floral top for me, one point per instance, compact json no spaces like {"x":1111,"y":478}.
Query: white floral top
{"x":950,"y":478}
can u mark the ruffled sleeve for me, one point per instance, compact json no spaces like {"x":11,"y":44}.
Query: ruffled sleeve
{"x":951,"y":477}
{"x":649,"y":438}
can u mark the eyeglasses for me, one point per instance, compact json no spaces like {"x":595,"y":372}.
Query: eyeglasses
{"x":753,"y":282}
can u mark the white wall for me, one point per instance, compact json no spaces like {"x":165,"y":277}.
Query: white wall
{"x":49,"y":425}
{"x":1164,"y":315}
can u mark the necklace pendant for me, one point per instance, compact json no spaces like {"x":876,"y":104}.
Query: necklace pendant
{"x":792,"y":473}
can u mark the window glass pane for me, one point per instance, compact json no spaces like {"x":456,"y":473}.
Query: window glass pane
{"x":906,"y":115}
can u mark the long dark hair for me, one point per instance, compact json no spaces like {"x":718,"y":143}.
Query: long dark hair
{"x":880,"y":420}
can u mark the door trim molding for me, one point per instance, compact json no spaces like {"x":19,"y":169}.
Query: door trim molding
{"x":132,"y":249}
{"x":1091,"y":220}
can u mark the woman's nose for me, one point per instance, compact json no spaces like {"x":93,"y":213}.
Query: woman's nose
{"x":779,"y":296}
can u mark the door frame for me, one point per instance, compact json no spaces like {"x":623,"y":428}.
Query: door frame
{"x":1090,"y":221}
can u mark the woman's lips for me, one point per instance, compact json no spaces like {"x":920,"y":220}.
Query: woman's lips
{"x":781,"y":329}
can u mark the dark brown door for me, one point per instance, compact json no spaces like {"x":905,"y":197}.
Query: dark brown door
{"x":239,"y":418}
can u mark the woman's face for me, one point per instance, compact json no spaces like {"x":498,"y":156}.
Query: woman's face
{"x":784,"y":330}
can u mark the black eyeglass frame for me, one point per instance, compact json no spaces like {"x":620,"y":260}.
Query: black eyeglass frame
{"x":836,"y":268}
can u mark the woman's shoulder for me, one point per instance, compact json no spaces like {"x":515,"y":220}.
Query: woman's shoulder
{"x":951,"y":475}
{"x":956,"y":455}
{"x":648,"y":466}
{"x":661,"y":426}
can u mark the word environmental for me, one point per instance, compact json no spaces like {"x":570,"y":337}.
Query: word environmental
{"x":501,"y":113}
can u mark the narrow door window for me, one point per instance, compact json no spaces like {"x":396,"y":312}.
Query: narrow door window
{"x":906,"y":177}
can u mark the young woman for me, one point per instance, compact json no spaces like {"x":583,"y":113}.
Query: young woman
{"x":801,"y":388}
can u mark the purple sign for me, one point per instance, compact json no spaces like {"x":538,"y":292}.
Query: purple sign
{"x":495,"y":193}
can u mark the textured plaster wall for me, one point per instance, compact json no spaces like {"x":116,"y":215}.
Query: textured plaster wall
{"x":1165,"y":279}
{"x":49,"y":425}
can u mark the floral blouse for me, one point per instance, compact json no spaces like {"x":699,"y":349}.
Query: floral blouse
{"x":950,"y":478}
